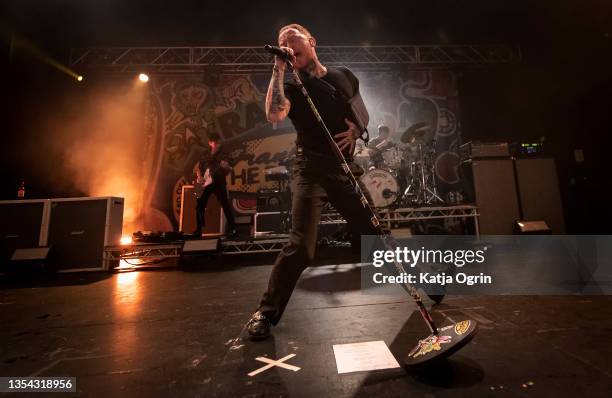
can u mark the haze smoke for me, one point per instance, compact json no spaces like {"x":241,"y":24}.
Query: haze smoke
{"x":101,"y":144}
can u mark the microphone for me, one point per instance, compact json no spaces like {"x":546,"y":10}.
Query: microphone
{"x":279,"y":52}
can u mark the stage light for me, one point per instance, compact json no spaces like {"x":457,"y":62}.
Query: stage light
{"x":126,"y":240}
{"x":143,"y":77}
{"x":79,"y":78}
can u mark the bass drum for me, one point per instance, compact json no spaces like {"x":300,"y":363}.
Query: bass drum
{"x":381,"y":186}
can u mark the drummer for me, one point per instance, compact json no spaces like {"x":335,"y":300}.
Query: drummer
{"x":379,"y":144}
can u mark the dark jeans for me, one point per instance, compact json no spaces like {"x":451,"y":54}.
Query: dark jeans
{"x":220,"y":191}
{"x":316,"y":179}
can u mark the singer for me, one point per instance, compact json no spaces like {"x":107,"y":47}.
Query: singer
{"x":317,"y":175}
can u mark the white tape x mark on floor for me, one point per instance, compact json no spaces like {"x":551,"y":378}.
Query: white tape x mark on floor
{"x":271,"y":363}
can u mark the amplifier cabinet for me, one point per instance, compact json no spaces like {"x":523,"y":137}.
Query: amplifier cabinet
{"x":23,"y":224}
{"x":476,"y":150}
{"x":214,"y":219}
{"x":539,"y":192}
{"x":490,"y":184}
{"x":271,"y":222}
{"x":80,"y":228}
{"x":268,"y":202}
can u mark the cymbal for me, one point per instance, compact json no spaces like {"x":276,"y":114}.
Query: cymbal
{"x":415,"y":132}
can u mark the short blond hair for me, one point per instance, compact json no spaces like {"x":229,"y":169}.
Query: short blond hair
{"x":295,"y":26}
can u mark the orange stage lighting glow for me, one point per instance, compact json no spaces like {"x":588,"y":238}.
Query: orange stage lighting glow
{"x":126,"y":240}
{"x":102,"y":147}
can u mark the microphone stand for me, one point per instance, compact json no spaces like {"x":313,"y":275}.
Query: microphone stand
{"x":390,"y":242}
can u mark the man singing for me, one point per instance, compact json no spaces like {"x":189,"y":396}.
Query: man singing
{"x":212,"y":171}
{"x":318,"y":176}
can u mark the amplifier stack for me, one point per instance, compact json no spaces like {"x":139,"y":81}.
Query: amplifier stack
{"x":77,"y":230}
{"x":509,"y":189}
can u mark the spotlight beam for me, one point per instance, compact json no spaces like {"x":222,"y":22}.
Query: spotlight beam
{"x":19,"y":43}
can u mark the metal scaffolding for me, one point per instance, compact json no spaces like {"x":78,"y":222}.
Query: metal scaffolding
{"x":391,"y":217}
{"x":140,"y":254}
{"x":256,"y":59}
{"x":145,"y":254}
{"x":265,"y":245}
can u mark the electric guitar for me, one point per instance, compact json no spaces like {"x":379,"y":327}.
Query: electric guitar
{"x":201,"y":183}
{"x":205,"y":180}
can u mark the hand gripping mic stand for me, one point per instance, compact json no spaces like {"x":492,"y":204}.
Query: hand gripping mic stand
{"x":441,"y":342}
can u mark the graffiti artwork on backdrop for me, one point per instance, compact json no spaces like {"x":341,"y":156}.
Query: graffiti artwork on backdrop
{"x":431,"y":97}
{"x":184,"y":111}
{"x":428,"y":97}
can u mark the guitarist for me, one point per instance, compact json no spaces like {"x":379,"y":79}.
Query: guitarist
{"x":211,"y":174}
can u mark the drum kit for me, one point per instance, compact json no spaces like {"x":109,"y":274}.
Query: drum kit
{"x":403,"y":174}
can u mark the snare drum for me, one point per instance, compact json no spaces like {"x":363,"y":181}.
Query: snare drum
{"x":392,"y":158}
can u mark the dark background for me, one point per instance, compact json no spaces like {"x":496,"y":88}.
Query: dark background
{"x":560,"y":91}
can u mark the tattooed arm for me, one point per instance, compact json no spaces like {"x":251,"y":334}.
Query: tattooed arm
{"x":277,"y":105}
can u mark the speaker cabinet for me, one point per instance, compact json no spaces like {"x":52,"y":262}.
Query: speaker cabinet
{"x":490,"y":184}
{"x":80,"y":228}
{"x":273,"y":222}
{"x":214,"y":219}
{"x":273,"y":201}
{"x":538,"y":187}
{"x":23,"y":224}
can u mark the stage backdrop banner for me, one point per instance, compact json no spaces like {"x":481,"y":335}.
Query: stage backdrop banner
{"x":182,"y":110}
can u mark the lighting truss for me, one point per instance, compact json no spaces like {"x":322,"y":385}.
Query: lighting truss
{"x":256,"y":59}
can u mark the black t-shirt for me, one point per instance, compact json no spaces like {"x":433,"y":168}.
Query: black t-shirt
{"x":213,"y":161}
{"x":332,"y":107}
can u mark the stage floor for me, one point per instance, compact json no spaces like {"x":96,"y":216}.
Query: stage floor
{"x":168,"y":332}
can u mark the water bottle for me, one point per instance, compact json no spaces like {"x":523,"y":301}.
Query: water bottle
{"x":21,"y":190}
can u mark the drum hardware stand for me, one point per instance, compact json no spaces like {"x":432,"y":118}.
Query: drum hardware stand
{"x":428,"y":190}
{"x":454,"y":336}
{"x":422,"y":185}
{"x":410,"y":190}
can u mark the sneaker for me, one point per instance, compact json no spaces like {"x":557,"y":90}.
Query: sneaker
{"x":258,"y":326}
